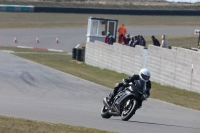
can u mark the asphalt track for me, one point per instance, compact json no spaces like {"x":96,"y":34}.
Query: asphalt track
{"x":33,"y":91}
{"x":70,"y":37}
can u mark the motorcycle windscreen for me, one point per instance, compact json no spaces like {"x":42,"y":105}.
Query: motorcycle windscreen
{"x":140,"y":85}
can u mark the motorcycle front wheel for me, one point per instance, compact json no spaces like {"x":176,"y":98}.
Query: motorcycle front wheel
{"x":129,"y":109}
{"x":105,"y":112}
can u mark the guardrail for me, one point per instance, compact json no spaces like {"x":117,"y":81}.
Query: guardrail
{"x":116,"y":11}
{"x":21,"y":8}
{"x":16,"y":8}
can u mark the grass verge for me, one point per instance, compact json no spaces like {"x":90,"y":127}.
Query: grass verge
{"x":18,"y":125}
{"x":11,"y":20}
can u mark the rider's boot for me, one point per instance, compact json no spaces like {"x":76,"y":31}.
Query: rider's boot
{"x":112,"y":95}
{"x":110,"y":98}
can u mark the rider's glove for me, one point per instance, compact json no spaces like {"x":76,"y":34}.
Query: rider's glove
{"x":125,"y":84}
{"x":144,"y":97}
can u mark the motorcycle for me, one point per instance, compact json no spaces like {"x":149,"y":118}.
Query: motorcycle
{"x":125,"y":103}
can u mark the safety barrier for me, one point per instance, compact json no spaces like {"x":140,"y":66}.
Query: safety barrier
{"x":21,"y":8}
{"x":116,"y":11}
{"x":178,"y":67}
{"x":16,"y":8}
{"x":78,"y":54}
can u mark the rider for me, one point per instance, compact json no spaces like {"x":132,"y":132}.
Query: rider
{"x":144,"y":75}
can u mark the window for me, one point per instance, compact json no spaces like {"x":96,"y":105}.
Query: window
{"x":102,"y":28}
{"x":111,"y":27}
{"x":94,"y":30}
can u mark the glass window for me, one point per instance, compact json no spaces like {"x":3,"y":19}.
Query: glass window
{"x":111,"y":27}
{"x":103,"y":28}
{"x":94,"y":27}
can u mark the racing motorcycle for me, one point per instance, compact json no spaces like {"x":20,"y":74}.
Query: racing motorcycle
{"x":125,"y":103}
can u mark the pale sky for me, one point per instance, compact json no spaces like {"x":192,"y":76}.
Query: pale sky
{"x":192,"y":1}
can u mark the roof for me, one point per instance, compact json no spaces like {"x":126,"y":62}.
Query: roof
{"x":95,"y":18}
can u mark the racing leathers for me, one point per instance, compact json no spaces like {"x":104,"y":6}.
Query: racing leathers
{"x":125,"y":83}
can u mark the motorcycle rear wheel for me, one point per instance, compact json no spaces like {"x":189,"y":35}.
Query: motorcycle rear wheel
{"x":129,"y":111}
{"x":105,"y":112}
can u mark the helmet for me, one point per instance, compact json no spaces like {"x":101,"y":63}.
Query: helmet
{"x":144,"y":74}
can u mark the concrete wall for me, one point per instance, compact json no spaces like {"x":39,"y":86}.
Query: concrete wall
{"x":117,"y":57}
{"x":174,"y":67}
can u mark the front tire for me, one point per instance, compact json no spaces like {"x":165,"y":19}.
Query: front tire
{"x":129,"y":109}
{"x":105,"y":112}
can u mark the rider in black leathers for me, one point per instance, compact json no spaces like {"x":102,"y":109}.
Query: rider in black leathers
{"x":143,"y":75}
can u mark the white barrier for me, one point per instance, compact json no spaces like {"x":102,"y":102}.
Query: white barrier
{"x":174,"y":67}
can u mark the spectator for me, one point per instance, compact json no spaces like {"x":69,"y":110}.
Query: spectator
{"x":164,"y":42}
{"x":128,"y":38}
{"x":155,"y":41}
{"x":124,"y":41}
{"x":109,"y":38}
{"x":131,"y":41}
{"x":136,"y":42}
{"x":142,"y":41}
{"x":121,"y":30}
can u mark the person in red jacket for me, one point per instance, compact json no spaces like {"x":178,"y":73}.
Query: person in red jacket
{"x":109,"y":38}
{"x":124,"y":40}
{"x":106,"y":38}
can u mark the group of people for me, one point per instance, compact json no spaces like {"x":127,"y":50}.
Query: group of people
{"x":127,"y":40}
{"x":134,"y":40}
{"x":164,"y":42}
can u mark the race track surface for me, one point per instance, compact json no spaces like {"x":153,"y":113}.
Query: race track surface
{"x":33,"y":91}
{"x":70,"y":37}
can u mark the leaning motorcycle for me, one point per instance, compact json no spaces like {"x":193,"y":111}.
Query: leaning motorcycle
{"x":125,"y":103}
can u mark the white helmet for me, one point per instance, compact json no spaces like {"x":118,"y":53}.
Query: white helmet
{"x":144,"y":74}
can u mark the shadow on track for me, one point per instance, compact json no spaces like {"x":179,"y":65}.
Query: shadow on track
{"x":158,"y":124}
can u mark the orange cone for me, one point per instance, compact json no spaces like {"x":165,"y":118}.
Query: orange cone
{"x":57,"y":40}
{"x":15,"y":40}
{"x":37,"y":40}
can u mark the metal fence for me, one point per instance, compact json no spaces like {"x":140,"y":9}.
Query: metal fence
{"x":119,"y":2}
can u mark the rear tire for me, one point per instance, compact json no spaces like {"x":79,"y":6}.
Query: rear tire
{"x":128,"y":113}
{"x":105,"y":112}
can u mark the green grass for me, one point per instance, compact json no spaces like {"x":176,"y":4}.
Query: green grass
{"x":60,"y":20}
{"x":189,"y":40}
{"x":17,"y":125}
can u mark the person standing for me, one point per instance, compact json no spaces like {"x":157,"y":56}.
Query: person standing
{"x":155,"y":41}
{"x":109,"y":38}
{"x":124,"y":41}
{"x":142,"y":41}
{"x":121,"y":31}
{"x":136,"y":42}
{"x":164,"y":42}
{"x":128,"y":38}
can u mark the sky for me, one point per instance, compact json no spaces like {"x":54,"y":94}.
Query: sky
{"x":192,"y":1}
